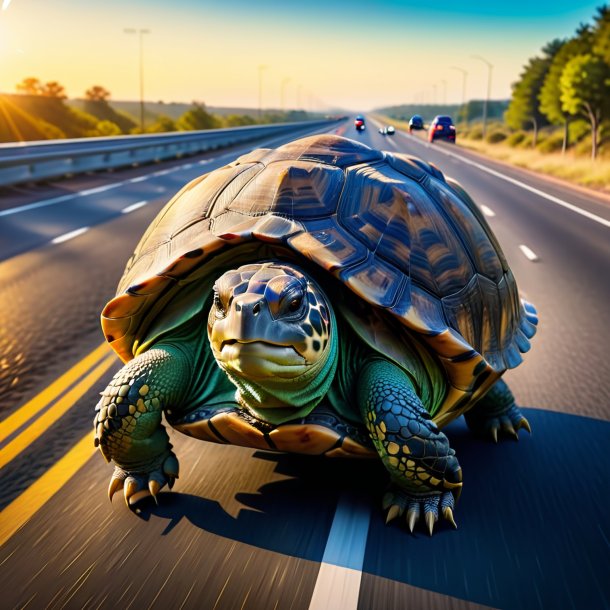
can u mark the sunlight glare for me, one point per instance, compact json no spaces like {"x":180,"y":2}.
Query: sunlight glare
{"x":5,"y":4}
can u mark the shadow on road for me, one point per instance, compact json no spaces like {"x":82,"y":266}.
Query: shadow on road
{"x":533,"y":519}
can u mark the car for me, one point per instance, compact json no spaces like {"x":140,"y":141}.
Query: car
{"x":382,"y":131}
{"x":389,"y":130}
{"x":415,"y":123}
{"x":359,"y":123}
{"x":441,"y":128}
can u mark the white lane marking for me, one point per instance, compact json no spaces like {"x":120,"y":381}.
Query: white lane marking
{"x":527,"y":187}
{"x":70,"y":235}
{"x":39,"y":204}
{"x":97,"y":189}
{"x":139,"y":179}
{"x":338,"y":582}
{"x":133,"y":206}
{"x":531,"y":255}
{"x":487,"y":211}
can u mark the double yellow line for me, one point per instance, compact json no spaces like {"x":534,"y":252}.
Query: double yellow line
{"x":65,"y":391}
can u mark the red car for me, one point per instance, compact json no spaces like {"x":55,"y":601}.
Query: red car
{"x":359,"y":123}
{"x":441,"y":128}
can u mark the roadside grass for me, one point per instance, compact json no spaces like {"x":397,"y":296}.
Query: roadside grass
{"x":571,"y":167}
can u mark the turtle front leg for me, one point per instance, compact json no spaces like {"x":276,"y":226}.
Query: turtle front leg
{"x":497,"y":411}
{"x":128,"y":427}
{"x":425,"y":474}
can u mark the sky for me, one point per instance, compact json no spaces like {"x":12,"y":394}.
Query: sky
{"x":316,"y":54}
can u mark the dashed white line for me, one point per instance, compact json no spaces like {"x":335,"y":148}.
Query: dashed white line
{"x":527,"y":187}
{"x":97,"y":189}
{"x":70,"y":235}
{"x":529,"y":254}
{"x":487,"y":211}
{"x":133,"y":206}
{"x":139,"y":179}
{"x":338,"y":582}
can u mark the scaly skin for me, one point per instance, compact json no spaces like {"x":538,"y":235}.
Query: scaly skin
{"x":128,"y":426}
{"x":422,"y":466}
{"x":497,"y":411}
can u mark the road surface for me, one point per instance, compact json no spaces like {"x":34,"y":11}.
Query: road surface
{"x":249,"y":529}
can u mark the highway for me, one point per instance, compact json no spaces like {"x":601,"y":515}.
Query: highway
{"x":250,"y":529}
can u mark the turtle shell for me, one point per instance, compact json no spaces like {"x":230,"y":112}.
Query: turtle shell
{"x":390,"y":227}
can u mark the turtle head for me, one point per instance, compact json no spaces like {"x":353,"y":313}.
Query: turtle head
{"x":268,"y":320}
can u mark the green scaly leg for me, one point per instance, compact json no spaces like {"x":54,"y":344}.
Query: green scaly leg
{"x":497,"y":411}
{"x":128,"y":427}
{"x":425,"y":474}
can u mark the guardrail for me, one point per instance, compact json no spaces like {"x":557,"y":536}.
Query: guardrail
{"x":32,"y":161}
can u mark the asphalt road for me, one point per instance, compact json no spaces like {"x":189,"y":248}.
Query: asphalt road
{"x":248,"y":529}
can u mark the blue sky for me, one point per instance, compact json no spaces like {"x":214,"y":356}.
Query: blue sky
{"x":356,"y":55}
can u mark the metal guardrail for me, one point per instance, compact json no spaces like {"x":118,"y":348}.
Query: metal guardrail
{"x":31,"y":161}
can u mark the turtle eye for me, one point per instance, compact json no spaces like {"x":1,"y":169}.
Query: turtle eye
{"x":292,"y":301}
{"x":295,"y":304}
{"x":219,"y":307}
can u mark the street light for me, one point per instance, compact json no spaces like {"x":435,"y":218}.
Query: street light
{"x":489,"y":68}
{"x":464,"y":75}
{"x":261,"y":69}
{"x":141,"y":33}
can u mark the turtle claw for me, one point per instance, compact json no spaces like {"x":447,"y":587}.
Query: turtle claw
{"x":398,"y":500}
{"x":130,"y":489}
{"x":393,"y":513}
{"x":136,"y":485}
{"x":116,"y":482}
{"x":509,"y":422}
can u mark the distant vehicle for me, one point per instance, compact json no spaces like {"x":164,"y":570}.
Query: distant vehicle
{"x":382,"y":131}
{"x":416,"y":123}
{"x":359,"y":123}
{"x":389,"y":130}
{"x":441,"y":128}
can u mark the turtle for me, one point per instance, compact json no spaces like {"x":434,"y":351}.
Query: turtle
{"x":321,"y":298}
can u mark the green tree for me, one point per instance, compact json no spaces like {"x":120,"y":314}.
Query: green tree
{"x":162,"y":124}
{"x":585,"y":90}
{"x":239,"y":120}
{"x":197,"y":118}
{"x":107,"y":128}
{"x":550,"y":93}
{"x":524,"y":107}
{"x":30,"y":86}
{"x":601,"y":34}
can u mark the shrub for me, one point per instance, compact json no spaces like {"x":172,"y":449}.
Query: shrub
{"x":496,"y":136}
{"x":515,"y":139}
{"x":551,"y":143}
{"x":475,"y":133}
{"x":577,"y":130}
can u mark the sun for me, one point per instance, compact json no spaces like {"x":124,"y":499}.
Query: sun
{"x":5,"y":4}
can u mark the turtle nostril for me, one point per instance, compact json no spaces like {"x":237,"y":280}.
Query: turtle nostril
{"x":256,"y":309}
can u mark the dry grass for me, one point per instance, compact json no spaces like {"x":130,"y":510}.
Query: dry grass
{"x":569,"y":167}
{"x":578,"y":170}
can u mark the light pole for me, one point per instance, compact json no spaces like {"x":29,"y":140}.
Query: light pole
{"x":464,"y":75}
{"x":141,"y":32}
{"x":489,"y":68}
{"x":261,"y":69}
{"x":285,"y":81}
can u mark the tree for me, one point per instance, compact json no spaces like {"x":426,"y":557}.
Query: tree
{"x":162,"y":124}
{"x":97,"y":94}
{"x":197,"y":118}
{"x":585,"y":90}
{"x":30,"y":86}
{"x":550,"y":93}
{"x":601,"y":34}
{"x":107,"y":128}
{"x":524,"y":107}
{"x":54,"y":89}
